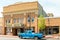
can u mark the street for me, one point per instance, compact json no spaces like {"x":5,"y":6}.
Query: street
{"x":2,"y":37}
{"x":8,"y":37}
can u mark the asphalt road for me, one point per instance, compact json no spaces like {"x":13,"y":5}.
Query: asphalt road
{"x":3,"y":38}
{"x":12,"y":38}
{"x":17,"y":38}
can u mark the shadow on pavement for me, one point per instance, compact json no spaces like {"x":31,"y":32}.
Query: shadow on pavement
{"x":41,"y":39}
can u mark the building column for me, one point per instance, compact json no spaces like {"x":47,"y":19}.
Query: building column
{"x":24,"y":18}
{"x":11,"y":24}
{"x":36,"y":25}
{"x":3,"y":28}
{"x":25,"y":21}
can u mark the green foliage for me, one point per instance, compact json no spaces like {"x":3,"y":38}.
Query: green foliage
{"x":41,"y":22}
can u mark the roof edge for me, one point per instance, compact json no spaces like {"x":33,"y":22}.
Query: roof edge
{"x":21,"y":3}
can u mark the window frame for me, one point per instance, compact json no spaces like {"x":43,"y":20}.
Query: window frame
{"x":8,"y":21}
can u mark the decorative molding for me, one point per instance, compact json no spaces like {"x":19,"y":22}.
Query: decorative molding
{"x":20,"y":12}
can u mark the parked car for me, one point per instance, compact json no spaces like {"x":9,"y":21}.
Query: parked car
{"x":30,"y":34}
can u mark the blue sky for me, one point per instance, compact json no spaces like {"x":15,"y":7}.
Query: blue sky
{"x":50,"y":6}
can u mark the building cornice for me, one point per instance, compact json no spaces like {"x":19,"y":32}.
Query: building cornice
{"x":21,"y":12}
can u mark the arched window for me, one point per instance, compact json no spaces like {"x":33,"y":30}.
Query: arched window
{"x":29,"y":18}
{"x":32,"y":19}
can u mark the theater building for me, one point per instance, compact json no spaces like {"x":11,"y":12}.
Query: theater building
{"x":21,"y":16}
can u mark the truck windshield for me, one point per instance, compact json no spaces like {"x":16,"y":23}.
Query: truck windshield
{"x":28,"y":31}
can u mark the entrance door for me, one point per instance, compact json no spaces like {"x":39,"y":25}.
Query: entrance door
{"x":50,"y":31}
{"x":14,"y":31}
{"x":21,"y":30}
{"x":17,"y":30}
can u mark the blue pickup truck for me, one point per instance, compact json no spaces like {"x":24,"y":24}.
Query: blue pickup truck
{"x":30,"y":34}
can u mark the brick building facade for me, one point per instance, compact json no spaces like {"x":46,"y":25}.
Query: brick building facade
{"x":1,"y":26}
{"x":22,"y":16}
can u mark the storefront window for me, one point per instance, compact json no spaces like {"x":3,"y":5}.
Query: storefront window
{"x":18,"y":31}
{"x":8,"y":30}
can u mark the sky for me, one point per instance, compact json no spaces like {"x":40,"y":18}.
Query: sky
{"x":50,"y":6}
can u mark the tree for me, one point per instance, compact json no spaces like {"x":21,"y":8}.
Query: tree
{"x":41,"y":22}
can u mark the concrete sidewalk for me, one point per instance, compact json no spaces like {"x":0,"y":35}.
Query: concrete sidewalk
{"x":9,"y":37}
{"x":52,"y":36}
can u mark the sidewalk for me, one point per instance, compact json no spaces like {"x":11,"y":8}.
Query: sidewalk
{"x":52,"y":36}
{"x":10,"y":36}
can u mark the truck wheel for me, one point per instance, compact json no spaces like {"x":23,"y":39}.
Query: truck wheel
{"x":39,"y":38}
{"x":19,"y":36}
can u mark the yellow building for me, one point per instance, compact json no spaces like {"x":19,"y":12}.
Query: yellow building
{"x":22,"y":16}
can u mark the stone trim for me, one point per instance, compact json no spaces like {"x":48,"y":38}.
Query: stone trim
{"x":20,"y":12}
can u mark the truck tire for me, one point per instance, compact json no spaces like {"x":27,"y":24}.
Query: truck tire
{"x":39,"y":38}
{"x":19,"y":36}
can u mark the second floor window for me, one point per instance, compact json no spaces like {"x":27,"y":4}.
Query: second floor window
{"x":8,"y":21}
{"x":32,"y":19}
{"x":14,"y":20}
{"x":19,"y":20}
{"x":29,"y":19}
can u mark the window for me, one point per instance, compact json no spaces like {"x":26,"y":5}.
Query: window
{"x":19,"y":20}
{"x":32,"y":19}
{"x":8,"y":30}
{"x":14,"y":20}
{"x":8,"y":21}
{"x":18,"y":31}
{"x":28,"y":19}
